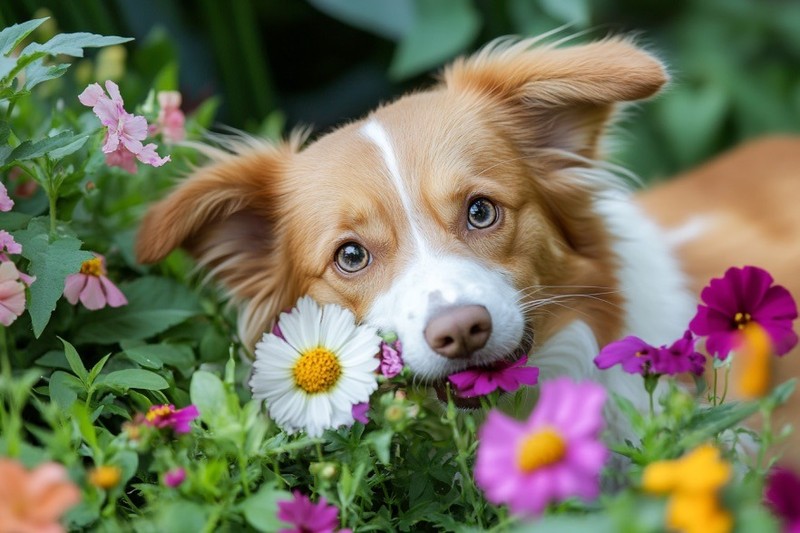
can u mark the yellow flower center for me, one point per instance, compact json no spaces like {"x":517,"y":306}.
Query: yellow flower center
{"x":92,"y":267}
{"x":158,"y":412}
{"x":105,"y":477}
{"x":540,"y":449}
{"x":317,"y":370}
{"x":740,"y":320}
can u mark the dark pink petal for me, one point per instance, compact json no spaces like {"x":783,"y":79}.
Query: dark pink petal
{"x":753,"y":283}
{"x":782,"y":494}
{"x":175,"y":477}
{"x":777,"y":304}
{"x":708,"y":321}
{"x":122,"y":158}
{"x":182,"y":418}
{"x":359,"y":412}
{"x":722,"y":343}
{"x":631,"y":352}
{"x":464,"y":380}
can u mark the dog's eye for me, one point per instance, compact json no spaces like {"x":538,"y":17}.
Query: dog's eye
{"x":481,"y":214}
{"x":352,"y":257}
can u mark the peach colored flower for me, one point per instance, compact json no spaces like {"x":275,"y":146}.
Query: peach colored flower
{"x":92,"y":287}
{"x":170,"y":117}
{"x":32,"y":501}
{"x":12,"y":293}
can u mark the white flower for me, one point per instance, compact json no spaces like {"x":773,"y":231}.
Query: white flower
{"x":323,"y":365}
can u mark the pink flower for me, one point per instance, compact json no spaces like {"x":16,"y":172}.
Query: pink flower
{"x":6,"y":203}
{"x":92,"y":287}
{"x":170,"y":117}
{"x":9,"y":245}
{"x":174,"y":477}
{"x":741,"y":296}
{"x":359,"y":411}
{"x":163,"y":416}
{"x":638,"y":357}
{"x":12,"y":293}
{"x":782,"y":496}
{"x":554,"y":455}
{"x":125,"y":131}
{"x":505,"y":375}
{"x":391,"y":358}
{"x":307,"y":517}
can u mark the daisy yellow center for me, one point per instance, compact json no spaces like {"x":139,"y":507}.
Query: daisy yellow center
{"x":158,"y":412}
{"x":317,"y":370}
{"x":740,"y":320}
{"x":92,"y":267}
{"x":540,"y":449}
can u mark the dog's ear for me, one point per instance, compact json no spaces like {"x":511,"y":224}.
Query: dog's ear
{"x":226,"y":215}
{"x":562,"y":97}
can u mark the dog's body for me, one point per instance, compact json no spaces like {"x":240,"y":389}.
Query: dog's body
{"x":472,"y":219}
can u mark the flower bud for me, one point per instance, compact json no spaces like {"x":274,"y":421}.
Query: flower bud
{"x":105,"y":477}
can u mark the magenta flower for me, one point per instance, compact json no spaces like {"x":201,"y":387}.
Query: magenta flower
{"x":92,"y":287}
{"x":163,"y":416}
{"x":170,"y":121}
{"x":174,"y":477}
{"x":782,"y":496}
{"x":554,"y":455}
{"x":505,"y":375}
{"x":391,"y":358}
{"x":125,"y":131}
{"x":359,"y":411}
{"x":12,"y":293}
{"x":741,"y":296}
{"x":307,"y":517}
{"x":6,"y":203}
{"x":638,"y":357}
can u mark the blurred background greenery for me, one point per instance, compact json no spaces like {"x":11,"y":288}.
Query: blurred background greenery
{"x":275,"y":64}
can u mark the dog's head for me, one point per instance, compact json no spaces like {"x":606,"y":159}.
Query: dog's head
{"x":460,"y":217}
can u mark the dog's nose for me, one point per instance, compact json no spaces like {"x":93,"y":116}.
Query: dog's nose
{"x":459,"y":331}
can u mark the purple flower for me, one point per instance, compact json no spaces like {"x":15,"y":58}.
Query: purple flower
{"x":359,"y":411}
{"x":307,"y":517}
{"x":391,"y":358}
{"x":505,"y":375}
{"x":782,"y":496}
{"x":174,"y":477}
{"x":638,"y":357}
{"x":554,"y":455}
{"x":741,"y":296}
{"x":162,"y":416}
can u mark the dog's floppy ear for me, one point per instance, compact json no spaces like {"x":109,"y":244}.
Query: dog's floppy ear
{"x":226,"y":215}
{"x":563,"y":96}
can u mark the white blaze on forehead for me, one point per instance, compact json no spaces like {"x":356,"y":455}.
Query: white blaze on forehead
{"x":376,"y":133}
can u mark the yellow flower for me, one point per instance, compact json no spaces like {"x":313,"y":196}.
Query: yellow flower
{"x":105,"y":477}
{"x":693,"y":483}
{"x":754,"y":362}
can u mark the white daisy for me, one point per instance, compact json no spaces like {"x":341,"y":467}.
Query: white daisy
{"x":323,"y":365}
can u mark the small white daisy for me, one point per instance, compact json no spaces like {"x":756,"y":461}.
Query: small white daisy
{"x":324,"y":364}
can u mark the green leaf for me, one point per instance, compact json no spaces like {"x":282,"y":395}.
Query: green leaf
{"x":96,"y":369}
{"x":81,"y":415}
{"x":37,"y":72}
{"x":155,"y":356}
{"x":707,"y":423}
{"x":13,"y":35}
{"x":31,"y":150}
{"x":5,"y":131}
{"x":209,"y":395}
{"x":71,"y":148}
{"x":132,"y":378}
{"x":392,"y":19}
{"x":72,"y":44}
{"x":51,"y":263}
{"x":64,"y":389}
{"x":261,"y":509}
{"x":14,"y":220}
{"x":75,"y":361}
{"x":443,"y":28}
{"x":381,"y":442}
{"x":154,"y":304}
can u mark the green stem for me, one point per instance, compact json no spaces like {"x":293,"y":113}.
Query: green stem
{"x":52,"y":197}
{"x":243,"y":474}
{"x":714,"y":398}
{"x":725,"y":386}
{"x":461,"y":459}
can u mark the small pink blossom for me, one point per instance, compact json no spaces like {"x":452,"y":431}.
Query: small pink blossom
{"x":8,"y":244}
{"x":6,"y":203}
{"x":174,"y":477}
{"x":163,"y":416}
{"x":359,"y":411}
{"x":125,"y":131}
{"x":505,"y":375}
{"x":171,"y":119}
{"x":12,"y":293}
{"x":391,"y":358}
{"x":92,"y":287}
{"x":307,"y":517}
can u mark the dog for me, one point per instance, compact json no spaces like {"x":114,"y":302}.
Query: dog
{"x":477,"y":219}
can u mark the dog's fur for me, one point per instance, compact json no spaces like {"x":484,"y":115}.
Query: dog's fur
{"x":573,"y":262}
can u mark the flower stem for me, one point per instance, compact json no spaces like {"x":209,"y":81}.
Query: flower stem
{"x":52,"y":197}
{"x":714,"y":398}
{"x":650,"y":384}
{"x":725,"y":386}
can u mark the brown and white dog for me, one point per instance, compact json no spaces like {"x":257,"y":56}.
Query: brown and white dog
{"x":475,"y":218}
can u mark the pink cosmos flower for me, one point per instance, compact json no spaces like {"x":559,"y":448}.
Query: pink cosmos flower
{"x":360,"y":412}
{"x":391,"y":358}
{"x":505,"y":375}
{"x":174,"y":477}
{"x":92,"y":287}
{"x":6,"y":203}
{"x":307,"y":517}
{"x":171,"y":119}
{"x":125,"y":131}
{"x":9,"y":245}
{"x":166,"y":416}
{"x":12,"y":293}
{"x":741,"y":296}
{"x":782,"y":496}
{"x":554,"y":455}
{"x":638,"y":357}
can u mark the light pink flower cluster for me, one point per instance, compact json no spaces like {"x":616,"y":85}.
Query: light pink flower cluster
{"x":171,"y":120}
{"x":125,"y":131}
{"x":6,"y":203}
{"x":92,"y":287}
{"x":12,"y":281}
